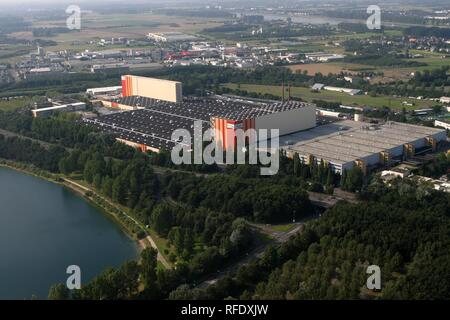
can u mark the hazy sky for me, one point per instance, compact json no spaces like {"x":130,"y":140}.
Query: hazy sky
{"x":38,"y":2}
{"x":45,"y":3}
{"x":80,"y":1}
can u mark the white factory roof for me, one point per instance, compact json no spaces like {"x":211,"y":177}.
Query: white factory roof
{"x":59,"y":107}
{"x":318,"y":86}
{"x":347,"y":140}
{"x":104,"y":89}
{"x":39,"y":70}
{"x":173,"y":36}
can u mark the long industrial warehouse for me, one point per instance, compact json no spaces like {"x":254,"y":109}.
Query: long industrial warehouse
{"x":347,"y":143}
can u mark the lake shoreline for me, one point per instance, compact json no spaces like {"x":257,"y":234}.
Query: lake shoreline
{"x":66,"y":226}
{"x":50,"y":177}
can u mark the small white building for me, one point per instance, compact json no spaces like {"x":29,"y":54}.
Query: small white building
{"x":445,"y":100}
{"x":71,"y":107}
{"x":442,"y":124}
{"x":95,"y":92}
{"x":349,"y":91}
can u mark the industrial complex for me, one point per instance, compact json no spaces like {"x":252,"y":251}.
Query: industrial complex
{"x":149,"y":110}
{"x":149,"y":123}
{"x":346,"y":143}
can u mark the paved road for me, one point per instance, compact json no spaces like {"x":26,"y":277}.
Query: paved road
{"x":278,"y":237}
{"x":142,"y":242}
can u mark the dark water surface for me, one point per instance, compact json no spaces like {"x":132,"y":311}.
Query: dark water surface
{"x":44,"y":228}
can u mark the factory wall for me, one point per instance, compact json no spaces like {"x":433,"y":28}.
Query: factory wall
{"x":289,"y":121}
{"x":419,"y":143}
{"x":396,"y":151}
{"x":440,"y":136}
{"x":141,"y":147}
{"x":225,"y":131}
{"x":372,"y":159}
{"x":152,"y":88}
{"x":113,"y":104}
{"x":336,"y":167}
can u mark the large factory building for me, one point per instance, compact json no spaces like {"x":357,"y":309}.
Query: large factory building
{"x":287,"y":117}
{"x":152,"y":88}
{"x":347,"y":143}
{"x":156,"y":108}
{"x":149,"y":123}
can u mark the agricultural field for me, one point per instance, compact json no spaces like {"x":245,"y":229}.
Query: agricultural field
{"x":308,"y":95}
{"x":97,"y":26}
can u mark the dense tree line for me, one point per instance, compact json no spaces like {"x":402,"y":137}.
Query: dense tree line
{"x":437,"y":77}
{"x":30,"y":152}
{"x":388,"y":60}
{"x":438,"y":167}
{"x":49,"y":32}
{"x":261,"y":200}
{"x":358,"y":28}
{"x":411,"y":16}
{"x":403,"y":230}
{"x":200,"y":231}
{"x":418,"y":31}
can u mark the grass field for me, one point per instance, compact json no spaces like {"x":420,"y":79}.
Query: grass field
{"x":283,"y":227}
{"x":307,"y":95}
{"x":8,"y":105}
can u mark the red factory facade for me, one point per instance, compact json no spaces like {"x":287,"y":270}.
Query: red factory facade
{"x":225,"y":131}
{"x":127,"y":86}
{"x":285,"y":121}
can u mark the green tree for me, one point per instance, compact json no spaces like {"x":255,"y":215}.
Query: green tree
{"x":119,"y":190}
{"x":59,"y":292}
{"x":149,"y":272}
{"x":297,"y":165}
{"x":162,"y":218}
{"x":107,"y":186}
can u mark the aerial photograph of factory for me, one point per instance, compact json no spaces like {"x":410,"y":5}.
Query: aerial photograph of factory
{"x":151,"y":109}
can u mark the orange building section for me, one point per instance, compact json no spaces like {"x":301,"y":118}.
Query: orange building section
{"x":127,"y":86}
{"x":225,"y":131}
{"x":152,"y":88}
